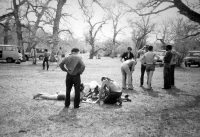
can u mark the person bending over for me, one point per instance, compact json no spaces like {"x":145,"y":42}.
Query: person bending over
{"x":110,"y":91}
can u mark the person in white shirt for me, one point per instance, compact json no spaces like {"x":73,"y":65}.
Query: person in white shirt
{"x":33,"y":54}
{"x":127,"y":68}
{"x":59,"y":56}
{"x":149,"y":61}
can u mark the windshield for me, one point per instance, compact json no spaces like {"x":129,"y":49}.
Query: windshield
{"x":160,"y":53}
{"x":194,"y":54}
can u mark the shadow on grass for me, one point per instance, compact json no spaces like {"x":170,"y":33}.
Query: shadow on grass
{"x":65,"y":115}
{"x":110,"y":106}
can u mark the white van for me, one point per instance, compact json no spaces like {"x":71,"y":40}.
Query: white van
{"x":9,"y":53}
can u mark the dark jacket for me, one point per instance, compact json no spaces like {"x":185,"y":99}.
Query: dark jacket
{"x":74,"y":65}
{"x":125,"y":56}
{"x":168,"y":57}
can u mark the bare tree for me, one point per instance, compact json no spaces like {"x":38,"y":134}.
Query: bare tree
{"x":18,"y":24}
{"x":189,"y":9}
{"x":165,"y":32}
{"x":94,"y":28}
{"x":141,"y":29}
{"x":115,"y":12}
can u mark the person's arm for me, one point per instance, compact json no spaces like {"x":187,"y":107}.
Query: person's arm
{"x":122,"y":57}
{"x":157,"y":56}
{"x":133,"y":66}
{"x":101,"y":90}
{"x":82,"y":66}
{"x":62,"y":65}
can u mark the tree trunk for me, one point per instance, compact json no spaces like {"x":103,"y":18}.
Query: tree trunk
{"x":18,"y":28}
{"x":56,"y":28}
{"x":91,"y":52}
{"x":6,"y":29}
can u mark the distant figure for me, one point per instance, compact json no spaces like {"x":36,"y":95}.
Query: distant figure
{"x":176,"y":55}
{"x":143,"y":67}
{"x":46,"y":59}
{"x":74,"y":67}
{"x":127,"y":55}
{"x":59,"y":56}
{"x":110,"y":91}
{"x":166,"y":71}
{"x":149,"y":62}
{"x":127,"y":68}
{"x":34,"y":55}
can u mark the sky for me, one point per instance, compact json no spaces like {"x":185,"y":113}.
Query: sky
{"x":78,"y":25}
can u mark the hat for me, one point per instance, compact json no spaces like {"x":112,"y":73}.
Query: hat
{"x":93,"y":85}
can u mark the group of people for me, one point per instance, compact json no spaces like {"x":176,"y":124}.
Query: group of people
{"x":148,"y":62}
{"x":110,"y":91}
{"x":46,"y":57}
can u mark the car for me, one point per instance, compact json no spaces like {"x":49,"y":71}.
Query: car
{"x":9,"y":53}
{"x":40,"y":54}
{"x":161,"y":54}
{"x":193,"y":58}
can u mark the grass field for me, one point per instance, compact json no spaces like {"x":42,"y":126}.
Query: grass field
{"x":152,"y":113}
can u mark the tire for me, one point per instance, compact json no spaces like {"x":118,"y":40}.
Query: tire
{"x":40,"y":57}
{"x":27,"y":58}
{"x":9,"y":60}
{"x":199,"y":64}
{"x":188,"y":65}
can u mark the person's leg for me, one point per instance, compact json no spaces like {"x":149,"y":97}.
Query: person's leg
{"x":43,"y":64}
{"x":49,"y":97}
{"x":172,"y":68}
{"x":166,"y":72}
{"x":77,"y":83}
{"x":123,"y":78}
{"x":143,"y":68}
{"x":69,"y":84}
{"x":128,"y":74}
{"x":150,"y":79}
{"x":47,"y":63}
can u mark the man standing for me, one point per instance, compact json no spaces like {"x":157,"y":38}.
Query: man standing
{"x":172,"y":66}
{"x":149,"y":63}
{"x":166,"y":71}
{"x":127,"y":55}
{"x":74,"y":67}
{"x":34,"y":55}
{"x":59,"y":55}
{"x":143,"y":67}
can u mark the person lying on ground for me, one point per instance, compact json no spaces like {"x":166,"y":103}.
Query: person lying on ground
{"x":110,"y":92}
{"x":86,"y":89}
{"x":60,"y":95}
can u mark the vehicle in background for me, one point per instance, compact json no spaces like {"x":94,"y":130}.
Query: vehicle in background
{"x":9,"y":53}
{"x":161,"y":54}
{"x":40,"y":54}
{"x":193,"y":58}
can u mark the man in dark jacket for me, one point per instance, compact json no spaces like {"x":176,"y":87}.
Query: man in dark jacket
{"x":166,"y":71}
{"x":74,"y":67}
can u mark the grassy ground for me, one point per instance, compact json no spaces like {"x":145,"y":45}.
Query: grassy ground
{"x":152,"y":113}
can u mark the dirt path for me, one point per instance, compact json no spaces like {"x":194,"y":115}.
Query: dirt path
{"x":152,"y":113}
